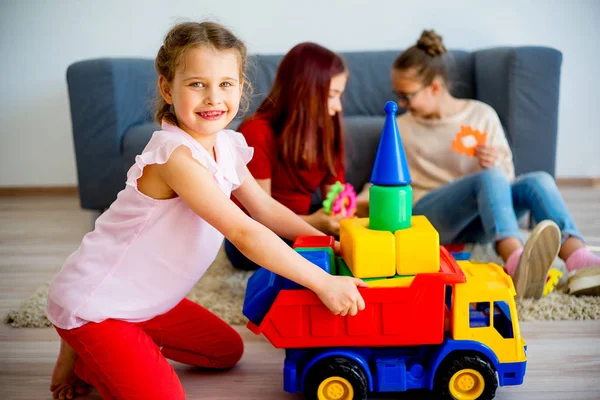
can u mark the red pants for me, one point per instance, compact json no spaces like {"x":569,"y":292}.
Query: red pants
{"x":125,"y":360}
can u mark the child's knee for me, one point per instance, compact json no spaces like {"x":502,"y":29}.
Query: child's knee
{"x":232,"y":353}
{"x":492,"y":178}
{"x":493,"y":175}
{"x":538,"y":179}
{"x":168,"y":389}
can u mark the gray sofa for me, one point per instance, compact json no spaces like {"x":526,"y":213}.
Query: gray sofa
{"x":110,"y":101}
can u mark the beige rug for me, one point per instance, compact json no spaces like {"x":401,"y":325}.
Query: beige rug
{"x":222,"y":289}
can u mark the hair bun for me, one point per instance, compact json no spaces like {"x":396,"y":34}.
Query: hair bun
{"x":431,"y":43}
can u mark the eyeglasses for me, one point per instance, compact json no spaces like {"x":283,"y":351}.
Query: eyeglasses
{"x":405,"y":98}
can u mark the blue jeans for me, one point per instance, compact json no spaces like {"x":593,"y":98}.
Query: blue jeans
{"x":485,"y":207}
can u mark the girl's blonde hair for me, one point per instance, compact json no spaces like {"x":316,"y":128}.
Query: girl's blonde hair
{"x":185,"y":36}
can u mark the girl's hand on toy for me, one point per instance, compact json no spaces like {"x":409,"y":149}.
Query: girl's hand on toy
{"x":486,"y":155}
{"x":328,"y":224}
{"x":341,"y":296}
{"x":337,"y":247}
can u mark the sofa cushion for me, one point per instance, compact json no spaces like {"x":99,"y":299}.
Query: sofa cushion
{"x":261,"y":72}
{"x":361,"y":139}
{"x":369,"y":85}
{"x":361,"y":136}
{"x":134,"y":141}
{"x":523,"y":86}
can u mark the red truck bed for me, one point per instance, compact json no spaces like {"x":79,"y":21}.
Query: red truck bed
{"x":394,"y":316}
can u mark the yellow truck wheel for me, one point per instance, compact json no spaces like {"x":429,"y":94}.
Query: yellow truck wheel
{"x":336,"y":378}
{"x":335,"y":388}
{"x":466,"y":377}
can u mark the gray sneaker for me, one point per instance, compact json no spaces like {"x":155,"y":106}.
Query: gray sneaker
{"x":585,"y":281}
{"x":538,"y":255}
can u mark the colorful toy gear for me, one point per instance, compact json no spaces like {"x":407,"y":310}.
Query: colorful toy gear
{"x":467,"y":139}
{"x":552,"y":279}
{"x":341,"y":199}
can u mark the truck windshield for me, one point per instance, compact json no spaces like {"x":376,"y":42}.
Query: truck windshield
{"x":502,"y":320}
{"x":479,"y":317}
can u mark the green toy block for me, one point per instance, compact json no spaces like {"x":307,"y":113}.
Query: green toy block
{"x":367,"y":280}
{"x":393,"y":277}
{"x":327,"y":249}
{"x":390,"y":208}
{"x":342,"y":268}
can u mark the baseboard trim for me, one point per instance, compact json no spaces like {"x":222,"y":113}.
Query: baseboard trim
{"x":578,"y":182}
{"x":38,"y":191}
{"x":72,"y":190}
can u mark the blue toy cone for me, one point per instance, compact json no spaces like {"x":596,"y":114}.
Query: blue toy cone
{"x":390,"y":167}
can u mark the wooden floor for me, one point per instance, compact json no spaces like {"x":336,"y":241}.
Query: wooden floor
{"x":37,"y":234}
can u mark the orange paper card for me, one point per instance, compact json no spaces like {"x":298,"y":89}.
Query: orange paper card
{"x":467,"y":139}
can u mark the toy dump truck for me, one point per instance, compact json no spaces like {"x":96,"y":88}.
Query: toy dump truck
{"x":430,"y":322}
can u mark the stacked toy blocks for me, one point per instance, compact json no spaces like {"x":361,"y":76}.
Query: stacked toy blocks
{"x":387,"y":249}
{"x":317,"y":249}
{"x":264,"y":286}
{"x":368,"y":253}
{"x":391,"y":243}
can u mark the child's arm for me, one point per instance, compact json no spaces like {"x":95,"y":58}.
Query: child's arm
{"x":271,"y":213}
{"x":319,"y":219}
{"x":496,"y":152}
{"x":197,"y":188}
{"x":265,"y":184}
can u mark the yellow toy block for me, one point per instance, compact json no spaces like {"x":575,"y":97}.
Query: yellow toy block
{"x":368,"y":253}
{"x":417,"y":248}
{"x":396,"y":281}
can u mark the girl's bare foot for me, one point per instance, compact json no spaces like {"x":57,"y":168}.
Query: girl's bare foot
{"x":65,"y":384}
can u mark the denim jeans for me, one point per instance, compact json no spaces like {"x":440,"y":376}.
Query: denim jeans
{"x":485,"y":206}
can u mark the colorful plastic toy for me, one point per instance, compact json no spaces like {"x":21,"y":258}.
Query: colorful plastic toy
{"x":314,"y":241}
{"x":417,"y":248}
{"x":341,"y":199}
{"x":458,"y":251}
{"x":367,"y":252}
{"x":431,"y":322}
{"x":467,"y":139}
{"x":552,"y":279}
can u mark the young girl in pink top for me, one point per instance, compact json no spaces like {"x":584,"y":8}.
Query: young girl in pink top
{"x":118,"y":302}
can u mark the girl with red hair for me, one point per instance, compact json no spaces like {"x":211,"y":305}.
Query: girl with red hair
{"x":297,"y":136}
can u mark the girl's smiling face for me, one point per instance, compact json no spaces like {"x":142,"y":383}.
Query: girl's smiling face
{"x":418,"y":97}
{"x":205,"y":91}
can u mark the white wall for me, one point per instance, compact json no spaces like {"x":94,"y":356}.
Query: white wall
{"x":39,"y":39}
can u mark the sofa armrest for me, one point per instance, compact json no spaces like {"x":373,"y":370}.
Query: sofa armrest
{"x":522,"y":85}
{"x":107,"y":97}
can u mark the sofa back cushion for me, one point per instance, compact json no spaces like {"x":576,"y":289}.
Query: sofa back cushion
{"x":369,"y":86}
